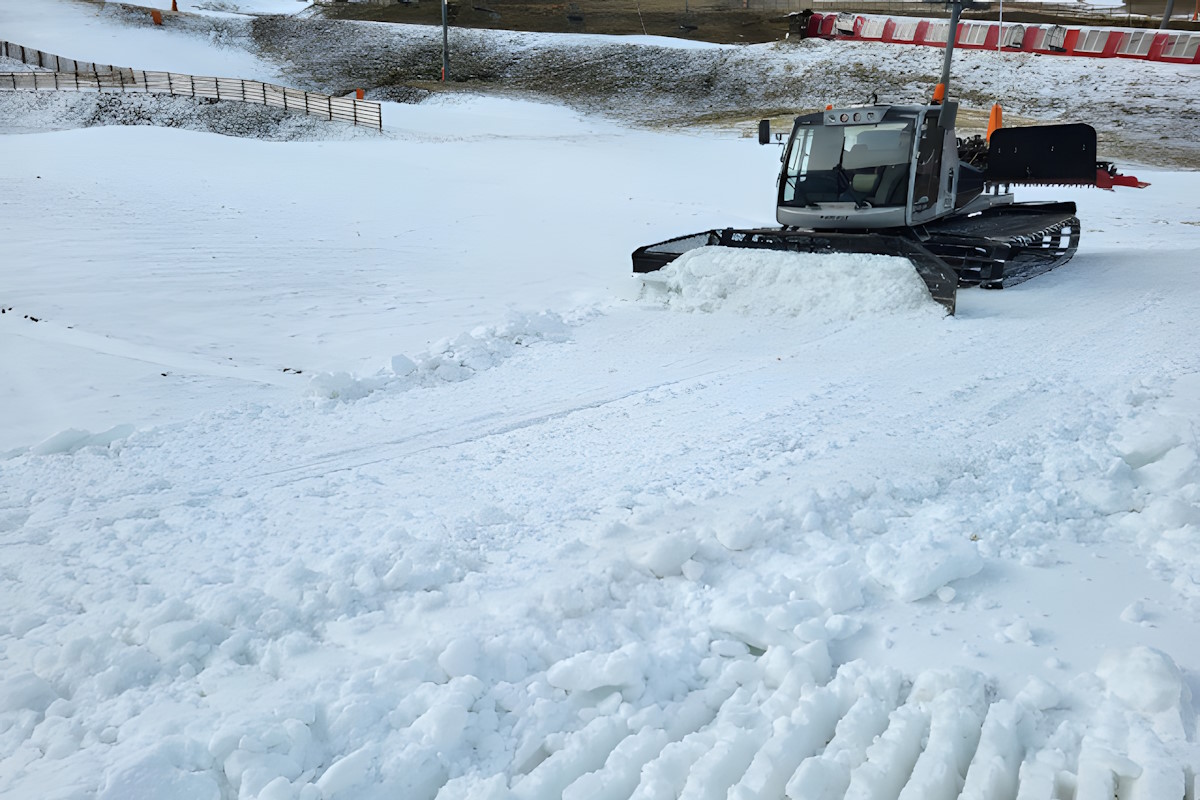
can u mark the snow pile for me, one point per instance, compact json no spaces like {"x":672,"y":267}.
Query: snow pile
{"x":923,"y":565}
{"x":27,"y":111}
{"x":1158,"y":446}
{"x":823,"y":286}
{"x":448,"y":360}
{"x":72,"y":439}
{"x":1146,"y":679}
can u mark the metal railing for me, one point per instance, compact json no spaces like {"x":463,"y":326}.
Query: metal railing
{"x":61,"y":74}
{"x":1081,"y":12}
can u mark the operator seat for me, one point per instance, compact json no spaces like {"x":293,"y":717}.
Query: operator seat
{"x":892,"y":186}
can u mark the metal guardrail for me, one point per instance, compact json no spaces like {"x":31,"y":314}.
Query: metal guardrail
{"x":63,"y":74}
{"x":1074,"y":11}
{"x":1080,"y":13}
{"x":925,"y":9}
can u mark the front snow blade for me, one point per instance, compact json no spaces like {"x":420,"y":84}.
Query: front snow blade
{"x":654,"y":257}
{"x":940,"y":279}
{"x":1042,"y":154}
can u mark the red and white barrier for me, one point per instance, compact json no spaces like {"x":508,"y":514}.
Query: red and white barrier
{"x":1179,"y":47}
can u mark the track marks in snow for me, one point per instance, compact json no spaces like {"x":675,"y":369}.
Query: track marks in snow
{"x":865,"y":733}
{"x":475,"y":430}
{"x":51,"y":332}
{"x":758,"y":715}
{"x":756,"y":722}
{"x":993,"y":773}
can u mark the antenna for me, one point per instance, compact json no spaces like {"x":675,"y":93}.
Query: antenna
{"x":939,"y":92}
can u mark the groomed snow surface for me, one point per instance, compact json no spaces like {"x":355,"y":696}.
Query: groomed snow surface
{"x":357,"y":466}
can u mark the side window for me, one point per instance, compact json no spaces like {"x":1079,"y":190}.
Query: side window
{"x":929,"y":164}
{"x":797,"y":162}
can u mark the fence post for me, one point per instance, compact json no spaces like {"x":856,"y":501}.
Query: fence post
{"x":192,"y":78}
{"x":329,"y":104}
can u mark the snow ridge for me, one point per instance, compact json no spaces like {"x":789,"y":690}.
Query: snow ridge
{"x":448,"y":360}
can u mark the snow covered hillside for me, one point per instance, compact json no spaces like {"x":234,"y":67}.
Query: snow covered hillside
{"x":357,"y":466}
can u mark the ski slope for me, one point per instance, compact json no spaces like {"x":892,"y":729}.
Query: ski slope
{"x":359,"y":467}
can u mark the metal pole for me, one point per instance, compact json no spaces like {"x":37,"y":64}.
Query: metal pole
{"x":951,"y":38}
{"x":445,"y":43}
{"x":1167,"y":14}
{"x":1000,"y":41}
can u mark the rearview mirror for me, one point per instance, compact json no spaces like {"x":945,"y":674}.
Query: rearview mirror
{"x":764,"y":131}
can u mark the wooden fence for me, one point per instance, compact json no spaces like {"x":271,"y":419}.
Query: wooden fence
{"x":50,"y":61}
{"x":67,"y":74}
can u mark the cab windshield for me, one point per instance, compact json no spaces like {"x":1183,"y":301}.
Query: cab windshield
{"x":867,"y":165}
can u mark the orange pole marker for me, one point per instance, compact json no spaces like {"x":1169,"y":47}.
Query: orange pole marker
{"x":995,"y":120}
{"x":156,"y":15}
{"x":358,"y":93}
{"x":939,"y":93}
{"x":174,"y":6}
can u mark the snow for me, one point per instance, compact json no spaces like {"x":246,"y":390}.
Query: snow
{"x":833,"y":286}
{"x":357,"y":466}
{"x":116,"y":35}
